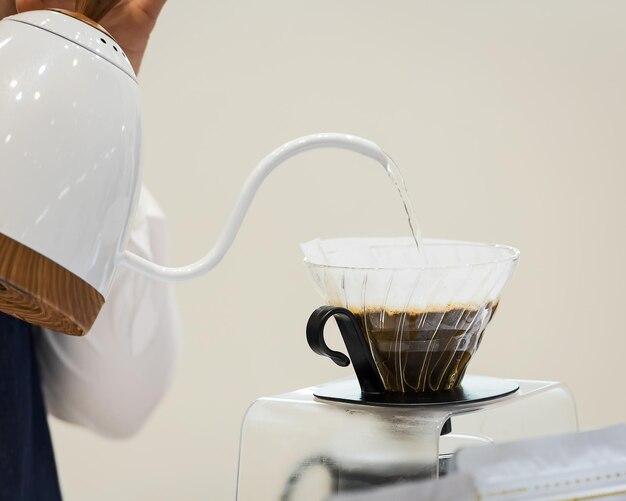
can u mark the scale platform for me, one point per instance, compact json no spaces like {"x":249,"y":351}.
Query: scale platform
{"x":303,"y":445}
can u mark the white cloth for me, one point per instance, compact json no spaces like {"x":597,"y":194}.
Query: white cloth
{"x":111,"y":379}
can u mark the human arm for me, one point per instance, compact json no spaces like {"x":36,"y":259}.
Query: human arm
{"x":110,"y":380}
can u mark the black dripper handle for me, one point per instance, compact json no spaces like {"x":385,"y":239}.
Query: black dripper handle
{"x":358,"y":349}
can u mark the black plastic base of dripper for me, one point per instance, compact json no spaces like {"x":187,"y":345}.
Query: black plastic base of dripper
{"x":473,"y":389}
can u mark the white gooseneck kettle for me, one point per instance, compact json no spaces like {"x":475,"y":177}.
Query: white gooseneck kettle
{"x":70,"y":148}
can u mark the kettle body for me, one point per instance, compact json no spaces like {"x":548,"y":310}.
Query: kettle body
{"x":70,"y":144}
{"x":62,"y":82}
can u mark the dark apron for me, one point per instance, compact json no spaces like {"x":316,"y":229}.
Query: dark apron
{"x":27,"y":467}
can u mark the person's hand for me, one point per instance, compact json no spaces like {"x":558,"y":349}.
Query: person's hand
{"x":130,"y":22}
{"x":7,"y":8}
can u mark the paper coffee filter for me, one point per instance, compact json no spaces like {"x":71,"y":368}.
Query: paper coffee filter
{"x":369,"y":273}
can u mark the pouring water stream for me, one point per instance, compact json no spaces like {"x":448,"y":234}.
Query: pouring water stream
{"x":394,"y":174}
{"x":249,"y":189}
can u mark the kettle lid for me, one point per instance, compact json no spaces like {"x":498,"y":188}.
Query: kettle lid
{"x":78,"y":32}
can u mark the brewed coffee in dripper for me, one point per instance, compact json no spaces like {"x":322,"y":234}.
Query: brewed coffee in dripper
{"x":420,"y":318}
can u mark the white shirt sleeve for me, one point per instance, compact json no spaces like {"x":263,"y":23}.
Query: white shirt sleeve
{"x":111,"y":379}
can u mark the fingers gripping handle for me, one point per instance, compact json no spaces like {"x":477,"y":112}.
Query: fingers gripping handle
{"x":353,"y":338}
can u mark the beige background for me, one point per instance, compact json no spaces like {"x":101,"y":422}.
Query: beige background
{"x":508,"y":119}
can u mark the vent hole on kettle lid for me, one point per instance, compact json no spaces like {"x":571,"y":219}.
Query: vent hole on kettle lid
{"x":115,"y":48}
{"x":103,"y":40}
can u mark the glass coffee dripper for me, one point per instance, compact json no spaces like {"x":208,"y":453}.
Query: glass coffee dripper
{"x":411,"y":323}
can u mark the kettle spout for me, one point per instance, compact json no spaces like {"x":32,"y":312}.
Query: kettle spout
{"x":248,"y":191}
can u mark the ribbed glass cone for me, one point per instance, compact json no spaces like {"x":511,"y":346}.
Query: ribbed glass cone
{"x":423,"y":322}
